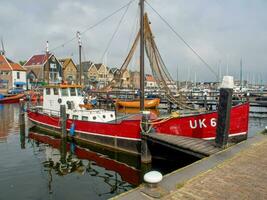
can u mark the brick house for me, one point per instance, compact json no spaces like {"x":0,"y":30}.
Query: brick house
{"x":12,"y":75}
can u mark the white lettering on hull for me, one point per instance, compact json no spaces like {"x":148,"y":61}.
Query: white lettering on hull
{"x":201,"y":123}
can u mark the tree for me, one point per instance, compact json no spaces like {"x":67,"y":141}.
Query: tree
{"x":22,"y":62}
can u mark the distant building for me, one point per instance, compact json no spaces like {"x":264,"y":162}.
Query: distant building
{"x":70,"y":72}
{"x":12,"y":75}
{"x":150,"y":81}
{"x":45,"y":67}
{"x":135,"y":79}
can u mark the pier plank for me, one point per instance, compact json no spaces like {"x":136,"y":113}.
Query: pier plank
{"x":196,"y":146}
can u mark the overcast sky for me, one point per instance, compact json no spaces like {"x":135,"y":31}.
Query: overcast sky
{"x":221,"y":31}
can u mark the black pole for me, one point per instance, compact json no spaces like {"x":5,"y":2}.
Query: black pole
{"x":142,"y":52}
{"x":224,"y":111}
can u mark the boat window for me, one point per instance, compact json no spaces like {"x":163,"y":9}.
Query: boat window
{"x":72,"y":92}
{"x":111,"y":115}
{"x":79,"y":92}
{"x":64,"y":92}
{"x":75,"y":117}
{"x":47,"y":91}
{"x":94,"y":117}
{"x":104,"y":116}
{"x":84,"y":118}
{"x":55,"y":91}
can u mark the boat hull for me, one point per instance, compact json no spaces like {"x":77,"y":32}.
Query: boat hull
{"x":149,"y":103}
{"x":11,"y":99}
{"x":125,"y":135}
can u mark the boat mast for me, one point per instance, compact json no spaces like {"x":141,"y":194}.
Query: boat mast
{"x":80,"y":56}
{"x":142,"y":71}
{"x":241,"y":75}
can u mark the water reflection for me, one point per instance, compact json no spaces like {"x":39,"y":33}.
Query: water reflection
{"x":9,"y":120}
{"x":67,"y":157}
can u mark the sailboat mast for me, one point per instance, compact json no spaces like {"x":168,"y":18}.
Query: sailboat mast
{"x":142,"y":52}
{"x":241,"y":75}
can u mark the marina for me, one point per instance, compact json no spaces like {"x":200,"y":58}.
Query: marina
{"x":124,"y":126}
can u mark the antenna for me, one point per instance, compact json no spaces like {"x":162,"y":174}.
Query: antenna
{"x":47,"y":47}
{"x":2,"y":52}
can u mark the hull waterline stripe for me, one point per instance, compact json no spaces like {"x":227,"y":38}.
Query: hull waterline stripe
{"x":89,"y":133}
{"x":230,"y":135}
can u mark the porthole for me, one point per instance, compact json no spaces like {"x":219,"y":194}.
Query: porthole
{"x":94,"y":117}
{"x":104,"y":116}
{"x":111,"y":115}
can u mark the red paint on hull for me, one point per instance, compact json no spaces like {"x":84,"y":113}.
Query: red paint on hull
{"x":11,"y":99}
{"x":197,"y":126}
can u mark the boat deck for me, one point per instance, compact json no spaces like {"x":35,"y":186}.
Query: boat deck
{"x":193,"y":146}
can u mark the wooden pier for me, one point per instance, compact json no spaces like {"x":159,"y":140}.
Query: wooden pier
{"x":192,"y":146}
{"x":235,"y":173}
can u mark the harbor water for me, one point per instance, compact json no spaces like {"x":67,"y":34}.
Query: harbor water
{"x":35,"y":166}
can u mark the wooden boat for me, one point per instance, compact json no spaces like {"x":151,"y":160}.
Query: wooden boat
{"x":101,"y":127}
{"x":126,"y":132}
{"x":11,"y":99}
{"x":149,"y":103}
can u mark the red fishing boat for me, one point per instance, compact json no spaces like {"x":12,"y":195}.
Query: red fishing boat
{"x":11,"y":99}
{"x":124,"y":134}
{"x":102,"y":127}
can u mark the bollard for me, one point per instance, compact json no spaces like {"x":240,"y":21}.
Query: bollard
{"x":152,"y":189}
{"x":224,"y":110}
{"x":145,"y":152}
{"x":63,"y":118}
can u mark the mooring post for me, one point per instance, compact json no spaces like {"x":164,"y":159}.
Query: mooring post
{"x":63,"y":117}
{"x":145,"y":152}
{"x":22,"y":123}
{"x":224,"y":111}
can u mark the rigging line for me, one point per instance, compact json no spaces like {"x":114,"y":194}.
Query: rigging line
{"x":96,"y":24}
{"x":134,"y":28}
{"x":116,"y":30}
{"x":181,"y":38}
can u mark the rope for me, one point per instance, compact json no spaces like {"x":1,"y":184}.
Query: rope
{"x":93,"y":26}
{"x":183,"y":40}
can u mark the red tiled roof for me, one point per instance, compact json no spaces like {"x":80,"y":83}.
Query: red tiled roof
{"x":4,"y":65}
{"x":17,"y":67}
{"x":37,"y":60}
{"x":150,"y":78}
{"x":8,"y":65}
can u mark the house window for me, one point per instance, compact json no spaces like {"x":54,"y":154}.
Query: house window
{"x":53,"y":74}
{"x":18,"y":75}
{"x":55,"y":91}
{"x":47,"y":91}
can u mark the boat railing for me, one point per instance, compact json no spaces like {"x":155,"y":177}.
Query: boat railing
{"x":41,"y":110}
